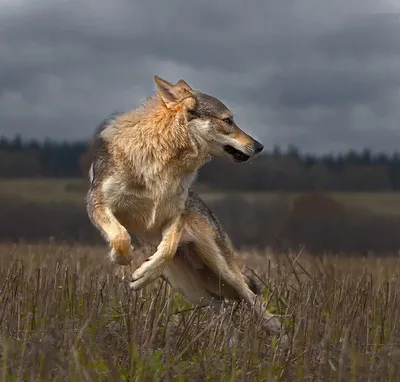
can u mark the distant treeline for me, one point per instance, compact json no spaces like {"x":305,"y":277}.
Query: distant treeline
{"x":50,"y":159}
{"x":281,"y":169}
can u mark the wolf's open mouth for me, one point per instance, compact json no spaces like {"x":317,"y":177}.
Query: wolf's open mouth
{"x":236,"y":154}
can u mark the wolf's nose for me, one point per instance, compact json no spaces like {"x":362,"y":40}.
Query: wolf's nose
{"x":258,"y":147}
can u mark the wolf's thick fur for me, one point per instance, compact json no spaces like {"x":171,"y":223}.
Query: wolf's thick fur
{"x":145,"y":162}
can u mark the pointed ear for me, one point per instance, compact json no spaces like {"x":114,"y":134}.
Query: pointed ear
{"x":190,"y":101}
{"x":166,"y":91}
{"x":174,"y":94}
{"x":184,"y":85}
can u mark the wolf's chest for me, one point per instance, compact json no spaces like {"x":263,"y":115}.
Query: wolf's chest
{"x":149,"y":208}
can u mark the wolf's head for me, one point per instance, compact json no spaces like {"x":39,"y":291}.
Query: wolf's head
{"x":209,"y":120}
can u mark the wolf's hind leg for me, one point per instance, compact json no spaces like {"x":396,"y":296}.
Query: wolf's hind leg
{"x":189,"y":276}
{"x":220,"y":259}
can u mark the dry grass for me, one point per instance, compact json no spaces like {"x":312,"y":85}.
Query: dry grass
{"x":65,"y":314}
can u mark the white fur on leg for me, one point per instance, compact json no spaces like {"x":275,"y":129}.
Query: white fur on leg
{"x":149,"y":271}
{"x":155,"y":265}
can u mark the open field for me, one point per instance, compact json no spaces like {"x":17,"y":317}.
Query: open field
{"x":73,"y":190}
{"x":356,"y":223}
{"x":67,"y":315}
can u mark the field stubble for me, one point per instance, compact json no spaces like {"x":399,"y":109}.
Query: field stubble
{"x":65,"y":314}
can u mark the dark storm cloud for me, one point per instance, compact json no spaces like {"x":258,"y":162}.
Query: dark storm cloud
{"x":322,"y":76}
{"x":363,"y":38}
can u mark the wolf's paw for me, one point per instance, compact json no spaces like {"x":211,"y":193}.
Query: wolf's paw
{"x":121,"y":258}
{"x":121,"y":252}
{"x":148,"y":272}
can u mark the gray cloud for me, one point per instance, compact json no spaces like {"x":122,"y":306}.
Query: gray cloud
{"x":318,"y":75}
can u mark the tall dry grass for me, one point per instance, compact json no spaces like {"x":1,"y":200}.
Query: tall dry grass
{"x":65,"y":314}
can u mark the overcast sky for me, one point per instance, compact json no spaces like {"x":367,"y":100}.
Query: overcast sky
{"x":323,"y":75}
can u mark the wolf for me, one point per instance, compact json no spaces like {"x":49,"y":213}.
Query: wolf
{"x":145,"y":161}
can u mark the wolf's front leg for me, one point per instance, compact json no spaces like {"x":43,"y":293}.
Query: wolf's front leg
{"x":117,"y":236}
{"x":154,"y":266}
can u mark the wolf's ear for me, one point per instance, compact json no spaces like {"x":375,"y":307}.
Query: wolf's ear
{"x":166,"y":92}
{"x":183,"y":85}
{"x":174,"y":94}
{"x":190,"y":102}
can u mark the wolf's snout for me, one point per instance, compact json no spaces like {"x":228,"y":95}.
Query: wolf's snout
{"x":258,"y":147}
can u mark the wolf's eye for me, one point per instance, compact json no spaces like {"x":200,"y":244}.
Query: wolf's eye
{"x":229,"y":121}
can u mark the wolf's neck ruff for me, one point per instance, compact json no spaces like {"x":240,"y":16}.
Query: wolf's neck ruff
{"x":156,"y":136}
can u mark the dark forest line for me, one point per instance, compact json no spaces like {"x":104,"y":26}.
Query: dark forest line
{"x":279,"y":169}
